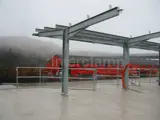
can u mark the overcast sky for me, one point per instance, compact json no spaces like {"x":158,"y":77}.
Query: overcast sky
{"x":21,"y":17}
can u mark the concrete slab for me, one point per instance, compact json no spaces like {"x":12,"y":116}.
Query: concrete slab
{"x":109,"y":102}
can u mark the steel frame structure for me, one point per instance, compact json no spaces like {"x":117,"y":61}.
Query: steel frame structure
{"x":78,"y":32}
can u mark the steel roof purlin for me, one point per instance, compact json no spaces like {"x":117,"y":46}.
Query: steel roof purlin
{"x":144,"y":37}
{"x":98,"y":34}
{"x":147,"y":45}
{"x":83,"y":38}
{"x":98,"y":37}
{"x":77,"y":32}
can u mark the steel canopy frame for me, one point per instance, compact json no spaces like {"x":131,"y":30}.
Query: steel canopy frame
{"x":84,"y":37}
{"x":144,"y":48}
{"x":107,"y":39}
{"x":65,"y":33}
{"x":146,"y":45}
{"x":95,"y":33}
{"x":97,"y":41}
{"x":103,"y":38}
{"x":95,"y":19}
{"x":144,"y":37}
{"x":88,"y":36}
{"x":77,"y":32}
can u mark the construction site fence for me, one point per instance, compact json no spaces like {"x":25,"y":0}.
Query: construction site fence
{"x":41,"y":73}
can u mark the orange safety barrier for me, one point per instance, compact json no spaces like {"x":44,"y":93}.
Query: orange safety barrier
{"x":55,"y":61}
{"x":123,"y":75}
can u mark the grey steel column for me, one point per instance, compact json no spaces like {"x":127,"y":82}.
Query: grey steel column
{"x":126,"y":61}
{"x":62,"y":65}
{"x":159,"y":67}
{"x":65,"y":62}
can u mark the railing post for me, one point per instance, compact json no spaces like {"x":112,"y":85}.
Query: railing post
{"x":17,"y":83}
{"x":150,"y":74}
{"x":40,"y":75}
{"x":117,"y":75}
{"x":139,"y":76}
{"x":95,"y":80}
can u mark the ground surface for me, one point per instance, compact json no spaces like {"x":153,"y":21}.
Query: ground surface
{"x":108,"y":102}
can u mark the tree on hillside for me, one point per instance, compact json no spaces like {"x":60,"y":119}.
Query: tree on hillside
{"x":9,"y":60}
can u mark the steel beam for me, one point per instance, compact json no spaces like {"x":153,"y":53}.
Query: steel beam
{"x":144,"y":47}
{"x":105,"y":35}
{"x":39,"y":30}
{"x":89,"y":40}
{"x":144,"y":37}
{"x":65,"y":62}
{"x":94,"y":33}
{"x":81,"y":25}
{"x":90,"y":35}
{"x":55,"y":33}
{"x":46,"y":29}
{"x":95,"y":19}
{"x":97,"y":38}
{"x":144,"y":62}
{"x":50,"y":29}
{"x":150,"y":43}
{"x":70,"y":34}
{"x":85,"y":37}
{"x":126,"y":61}
{"x":35,"y":34}
{"x":98,"y":41}
{"x":146,"y":44}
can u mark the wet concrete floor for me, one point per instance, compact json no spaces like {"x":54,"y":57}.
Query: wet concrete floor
{"x":108,"y":102}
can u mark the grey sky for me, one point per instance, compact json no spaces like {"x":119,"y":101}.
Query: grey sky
{"x":21,"y":17}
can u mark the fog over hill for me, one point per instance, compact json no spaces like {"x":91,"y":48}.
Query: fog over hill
{"x":29,"y":46}
{"x":34,"y":47}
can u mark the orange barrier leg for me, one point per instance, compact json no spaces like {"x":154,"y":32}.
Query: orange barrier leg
{"x":123,"y":75}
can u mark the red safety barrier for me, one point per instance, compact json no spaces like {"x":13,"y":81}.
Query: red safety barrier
{"x":123,"y":75}
{"x":55,"y":61}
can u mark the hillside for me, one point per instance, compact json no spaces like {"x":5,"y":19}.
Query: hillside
{"x":29,"y":46}
{"x":24,"y":51}
{"x":34,"y":47}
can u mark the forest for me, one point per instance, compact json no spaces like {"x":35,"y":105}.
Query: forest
{"x":16,"y":51}
{"x":9,"y":60}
